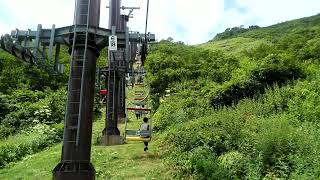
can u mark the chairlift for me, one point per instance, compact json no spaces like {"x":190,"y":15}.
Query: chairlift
{"x":103,"y":96}
{"x":139,"y":135}
{"x":139,"y":103}
{"x":103,"y":92}
{"x":139,"y":93}
{"x":139,"y":98}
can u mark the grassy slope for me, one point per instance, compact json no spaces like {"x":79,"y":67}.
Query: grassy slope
{"x":233,"y":46}
{"x":247,"y":40}
{"x":117,"y":162}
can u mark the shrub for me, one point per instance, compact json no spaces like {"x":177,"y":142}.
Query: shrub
{"x":15,"y":148}
{"x":274,"y":69}
{"x":31,"y":108}
{"x":278,"y":146}
{"x":305,"y":102}
{"x":250,"y":141}
{"x":171,"y":116}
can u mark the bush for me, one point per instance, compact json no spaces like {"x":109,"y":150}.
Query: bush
{"x":279,"y":147}
{"x":273,"y":70}
{"x":29,"y":108}
{"x":5,"y":106}
{"x":305,"y":102}
{"x":251,"y":141}
{"x":15,"y":148}
{"x":171,"y":63}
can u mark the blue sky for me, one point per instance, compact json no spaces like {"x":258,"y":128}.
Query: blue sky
{"x":229,"y":4}
{"x":190,"y":21}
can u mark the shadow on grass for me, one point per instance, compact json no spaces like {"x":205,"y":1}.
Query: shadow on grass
{"x":146,"y":156}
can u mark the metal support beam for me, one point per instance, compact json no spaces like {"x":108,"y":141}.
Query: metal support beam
{"x":20,"y":42}
{"x":111,"y":128}
{"x":37,"y":41}
{"x":56,"y":59}
{"x":51,"y":42}
{"x":112,"y":104}
{"x":62,"y":35}
{"x":123,"y":61}
{"x":43,"y":55}
{"x":114,"y":13}
{"x":76,"y":151}
{"x":26,"y":40}
{"x":127,"y":50}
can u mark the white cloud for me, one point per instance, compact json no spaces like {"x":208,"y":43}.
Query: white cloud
{"x":4,"y":28}
{"x":274,"y":11}
{"x":185,"y":20}
{"x":27,"y":14}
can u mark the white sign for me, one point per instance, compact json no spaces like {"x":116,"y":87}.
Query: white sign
{"x":113,"y":43}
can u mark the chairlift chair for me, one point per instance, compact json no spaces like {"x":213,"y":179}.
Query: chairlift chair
{"x":139,"y":135}
{"x":139,"y":84}
{"x":139,"y":103}
{"x":139,"y":92}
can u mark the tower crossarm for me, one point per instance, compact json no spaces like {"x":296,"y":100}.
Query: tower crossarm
{"x":62,"y":35}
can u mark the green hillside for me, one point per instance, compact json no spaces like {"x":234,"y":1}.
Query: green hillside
{"x":244,"y":105}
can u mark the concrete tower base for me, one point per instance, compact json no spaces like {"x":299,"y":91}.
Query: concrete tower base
{"x":110,"y":140}
{"x":74,"y":170}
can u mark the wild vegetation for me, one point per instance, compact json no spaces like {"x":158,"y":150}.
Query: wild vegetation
{"x":32,"y":103}
{"x":32,"y":106}
{"x":242,"y":106}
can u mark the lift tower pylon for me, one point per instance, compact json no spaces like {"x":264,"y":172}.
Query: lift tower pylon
{"x":75,"y":160}
{"x":116,"y":72}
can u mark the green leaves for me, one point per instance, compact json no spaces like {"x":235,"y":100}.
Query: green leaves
{"x":15,"y":148}
{"x":246,"y":107}
{"x":26,"y":108}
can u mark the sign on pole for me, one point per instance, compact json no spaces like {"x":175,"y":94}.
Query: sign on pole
{"x":113,"y":43}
